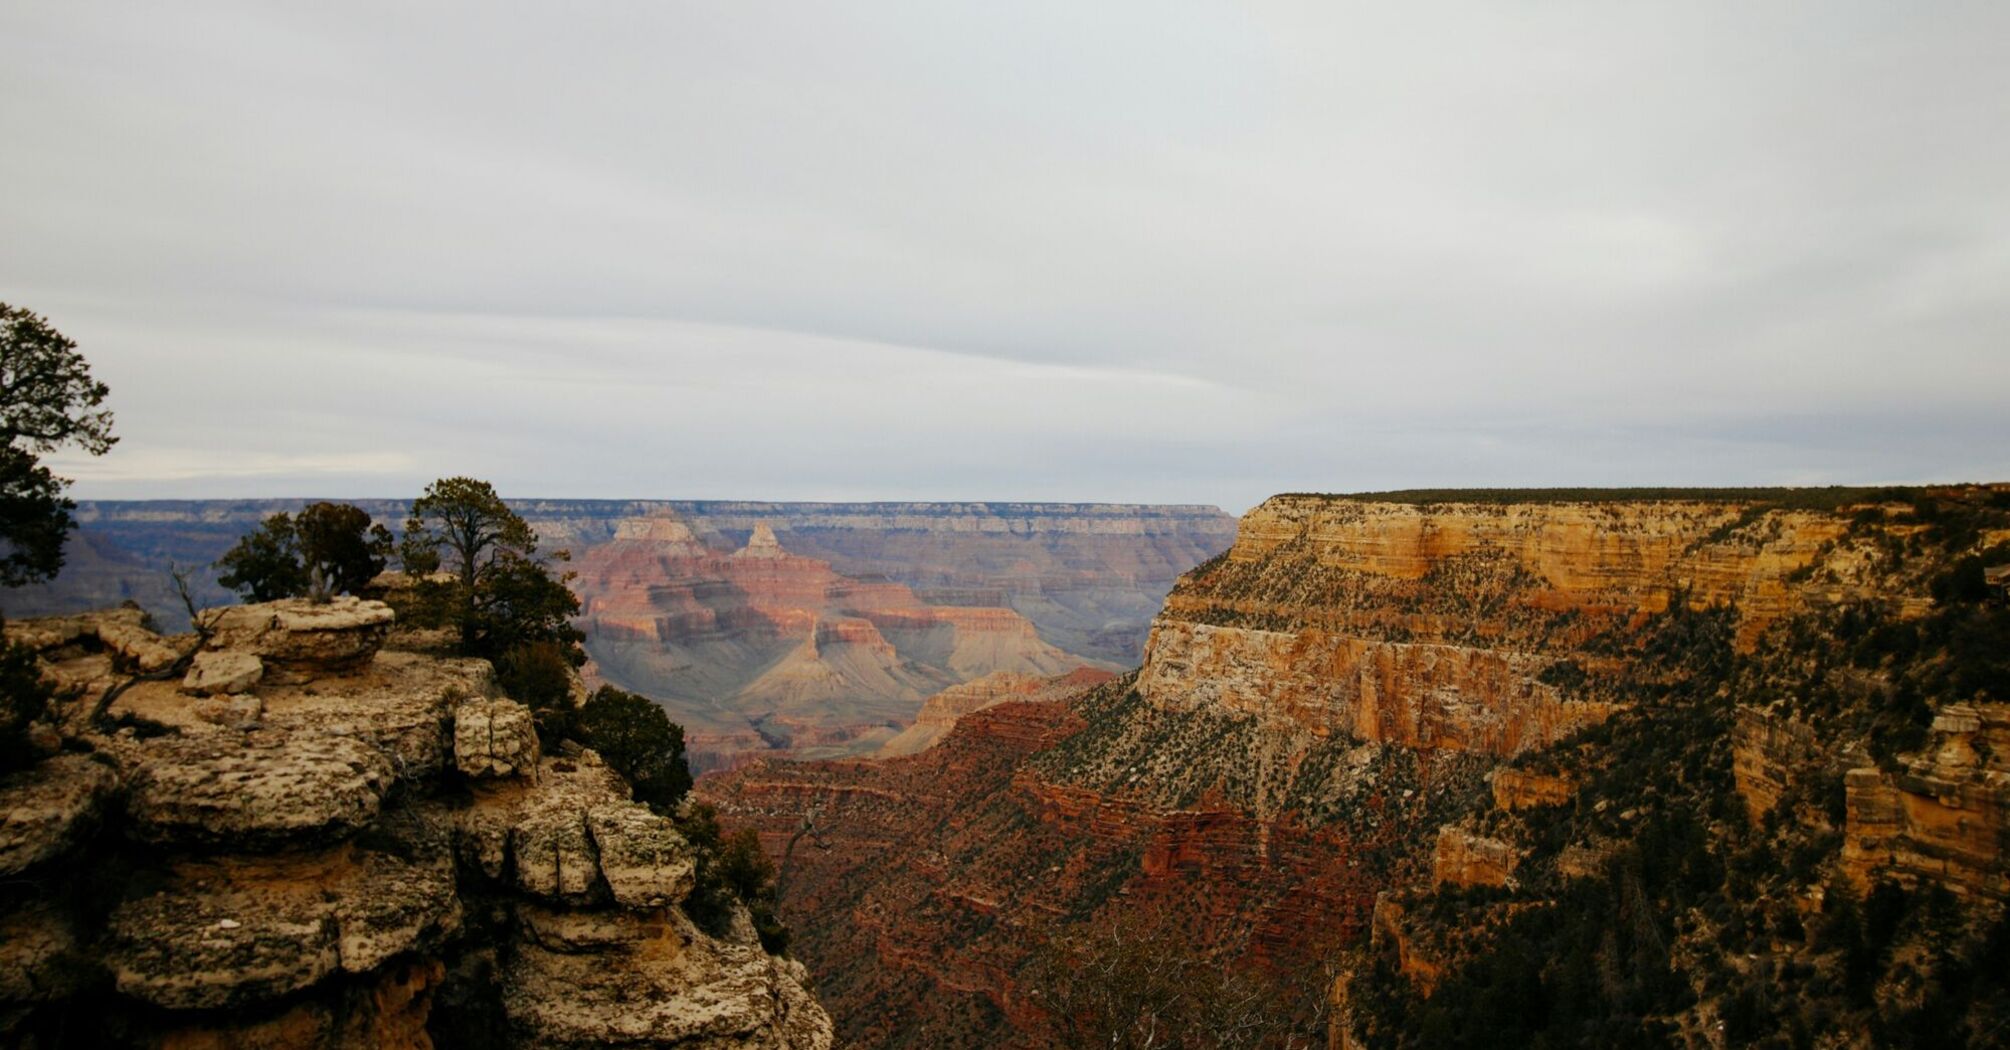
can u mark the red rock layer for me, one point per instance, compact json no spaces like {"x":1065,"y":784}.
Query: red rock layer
{"x":930,"y":880}
{"x":761,"y":650}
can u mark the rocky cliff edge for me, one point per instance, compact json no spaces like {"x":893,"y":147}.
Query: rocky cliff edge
{"x":308,"y":840}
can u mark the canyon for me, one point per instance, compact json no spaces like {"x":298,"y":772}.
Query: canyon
{"x":1411,"y":769}
{"x":805,"y":630}
{"x":1371,"y":709}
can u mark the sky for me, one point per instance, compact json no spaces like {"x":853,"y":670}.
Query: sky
{"x":1163,"y":252}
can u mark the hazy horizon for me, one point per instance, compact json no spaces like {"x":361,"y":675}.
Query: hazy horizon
{"x":1165,"y":253}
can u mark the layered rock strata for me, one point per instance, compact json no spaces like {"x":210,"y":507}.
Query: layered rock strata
{"x":940,"y":713}
{"x":377,"y":855}
{"x":760,"y":649}
{"x":1432,"y":625}
{"x":1361,"y":696}
{"x":1944,"y":817}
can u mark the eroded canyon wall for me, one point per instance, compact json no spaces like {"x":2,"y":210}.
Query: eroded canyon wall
{"x":1315,"y":712}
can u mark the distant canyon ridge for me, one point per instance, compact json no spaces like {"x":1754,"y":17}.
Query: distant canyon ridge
{"x":793,"y":629}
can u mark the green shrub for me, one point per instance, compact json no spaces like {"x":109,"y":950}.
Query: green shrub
{"x":23,"y":698}
{"x":540,"y":675}
{"x":637,"y":738}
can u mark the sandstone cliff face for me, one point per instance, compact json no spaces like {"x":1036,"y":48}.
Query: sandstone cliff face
{"x":1944,"y":817}
{"x":351,"y":848}
{"x":1431,"y":625}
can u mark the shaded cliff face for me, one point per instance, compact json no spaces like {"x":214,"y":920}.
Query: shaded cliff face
{"x":307,"y":841}
{"x":1477,"y":713}
{"x":1790,"y":835}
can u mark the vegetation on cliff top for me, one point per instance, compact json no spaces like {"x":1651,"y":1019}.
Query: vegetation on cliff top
{"x":1822,"y":498}
{"x":328,"y":548}
{"x":48,"y":400}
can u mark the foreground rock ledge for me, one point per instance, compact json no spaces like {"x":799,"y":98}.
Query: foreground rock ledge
{"x":310,"y":840}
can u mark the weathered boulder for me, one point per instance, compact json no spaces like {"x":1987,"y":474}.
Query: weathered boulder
{"x":48,"y":808}
{"x":256,"y":789}
{"x":121,"y":632}
{"x":646,"y":863}
{"x":531,"y":832}
{"x":630,"y":978}
{"x":227,"y":932}
{"x":554,"y":855}
{"x":494,"y":738}
{"x":222,"y":673}
{"x":299,"y":639}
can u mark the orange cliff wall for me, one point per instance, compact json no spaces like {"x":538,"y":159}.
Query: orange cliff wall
{"x":1429,"y":625}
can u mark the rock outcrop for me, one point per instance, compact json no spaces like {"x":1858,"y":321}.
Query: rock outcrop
{"x":1945,"y":816}
{"x":1465,"y":859}
{"x":376,"y":855}
{"x":939,"y":713}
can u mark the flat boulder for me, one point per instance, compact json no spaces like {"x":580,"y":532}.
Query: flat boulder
{"x":222,"y":673}
{"x":298,"y":639}
{"x":256,"y":789}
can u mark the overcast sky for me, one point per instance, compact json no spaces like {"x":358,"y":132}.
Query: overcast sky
{"x":1088,"y":251}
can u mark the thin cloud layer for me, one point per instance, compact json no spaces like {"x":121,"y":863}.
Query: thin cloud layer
{"x":1157,"y":251}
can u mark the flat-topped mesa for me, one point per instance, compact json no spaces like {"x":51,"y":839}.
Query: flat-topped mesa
{"x":663,"y":529}
{"x":1434,"y":624}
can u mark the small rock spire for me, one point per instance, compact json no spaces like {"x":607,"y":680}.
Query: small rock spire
{"x":762,"y":544}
